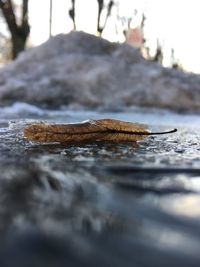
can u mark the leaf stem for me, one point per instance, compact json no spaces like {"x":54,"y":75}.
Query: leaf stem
{"x":167,"y":132}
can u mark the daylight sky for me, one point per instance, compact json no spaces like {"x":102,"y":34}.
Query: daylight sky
{"x":174,"y":22}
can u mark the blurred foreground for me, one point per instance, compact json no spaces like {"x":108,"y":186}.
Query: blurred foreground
{"x":100,"y":204}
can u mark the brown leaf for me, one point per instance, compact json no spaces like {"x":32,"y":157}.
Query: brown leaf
{"x":92,"y":130}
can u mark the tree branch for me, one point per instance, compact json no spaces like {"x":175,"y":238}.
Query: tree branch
{"x":100,"y":8}
{"x":109,"y":8}
{"x":24,"y":12}
{"x":24,"y":27}
{"x":72,"y":13}
{"x":8,"y":12}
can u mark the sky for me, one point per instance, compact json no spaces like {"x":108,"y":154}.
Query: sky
{"x":174,"y":22}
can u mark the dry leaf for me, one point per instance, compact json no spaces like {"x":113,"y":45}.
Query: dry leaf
{"x":87,"y":131}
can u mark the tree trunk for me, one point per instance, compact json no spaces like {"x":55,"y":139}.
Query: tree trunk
{"x":19,"y":32}
{"x":18,"y":44}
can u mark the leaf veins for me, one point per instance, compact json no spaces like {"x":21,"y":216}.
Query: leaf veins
{"x":88,"y":131}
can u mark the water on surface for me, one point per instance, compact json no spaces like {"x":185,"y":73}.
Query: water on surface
{"x":122,"y":204}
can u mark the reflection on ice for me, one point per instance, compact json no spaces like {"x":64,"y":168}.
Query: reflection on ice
{"x":184,"y":205}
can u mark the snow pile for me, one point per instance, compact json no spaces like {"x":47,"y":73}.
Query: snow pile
{"x":81,"y":69}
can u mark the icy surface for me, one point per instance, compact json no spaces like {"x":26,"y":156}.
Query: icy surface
{"x":100,"y":204}
{"x":79,"y":69}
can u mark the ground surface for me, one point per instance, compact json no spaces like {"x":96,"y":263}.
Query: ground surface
{"x":100,"y":204}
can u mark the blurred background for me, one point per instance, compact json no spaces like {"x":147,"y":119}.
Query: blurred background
{"x":165,"y":31}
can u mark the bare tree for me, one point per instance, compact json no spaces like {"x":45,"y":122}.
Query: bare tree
{"x":158,"y":57}
{"x":50,"y":17}
{"x":100,"y":28}
{"x":175,"y":63}
{"x":100,"y":8}
{"x":19,"y":31}
{"x":72,"y":14}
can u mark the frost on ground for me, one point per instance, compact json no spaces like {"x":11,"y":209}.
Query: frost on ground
{"x":81,"y":69}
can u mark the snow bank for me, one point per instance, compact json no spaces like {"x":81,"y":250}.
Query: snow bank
{"x":81,"y":69}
